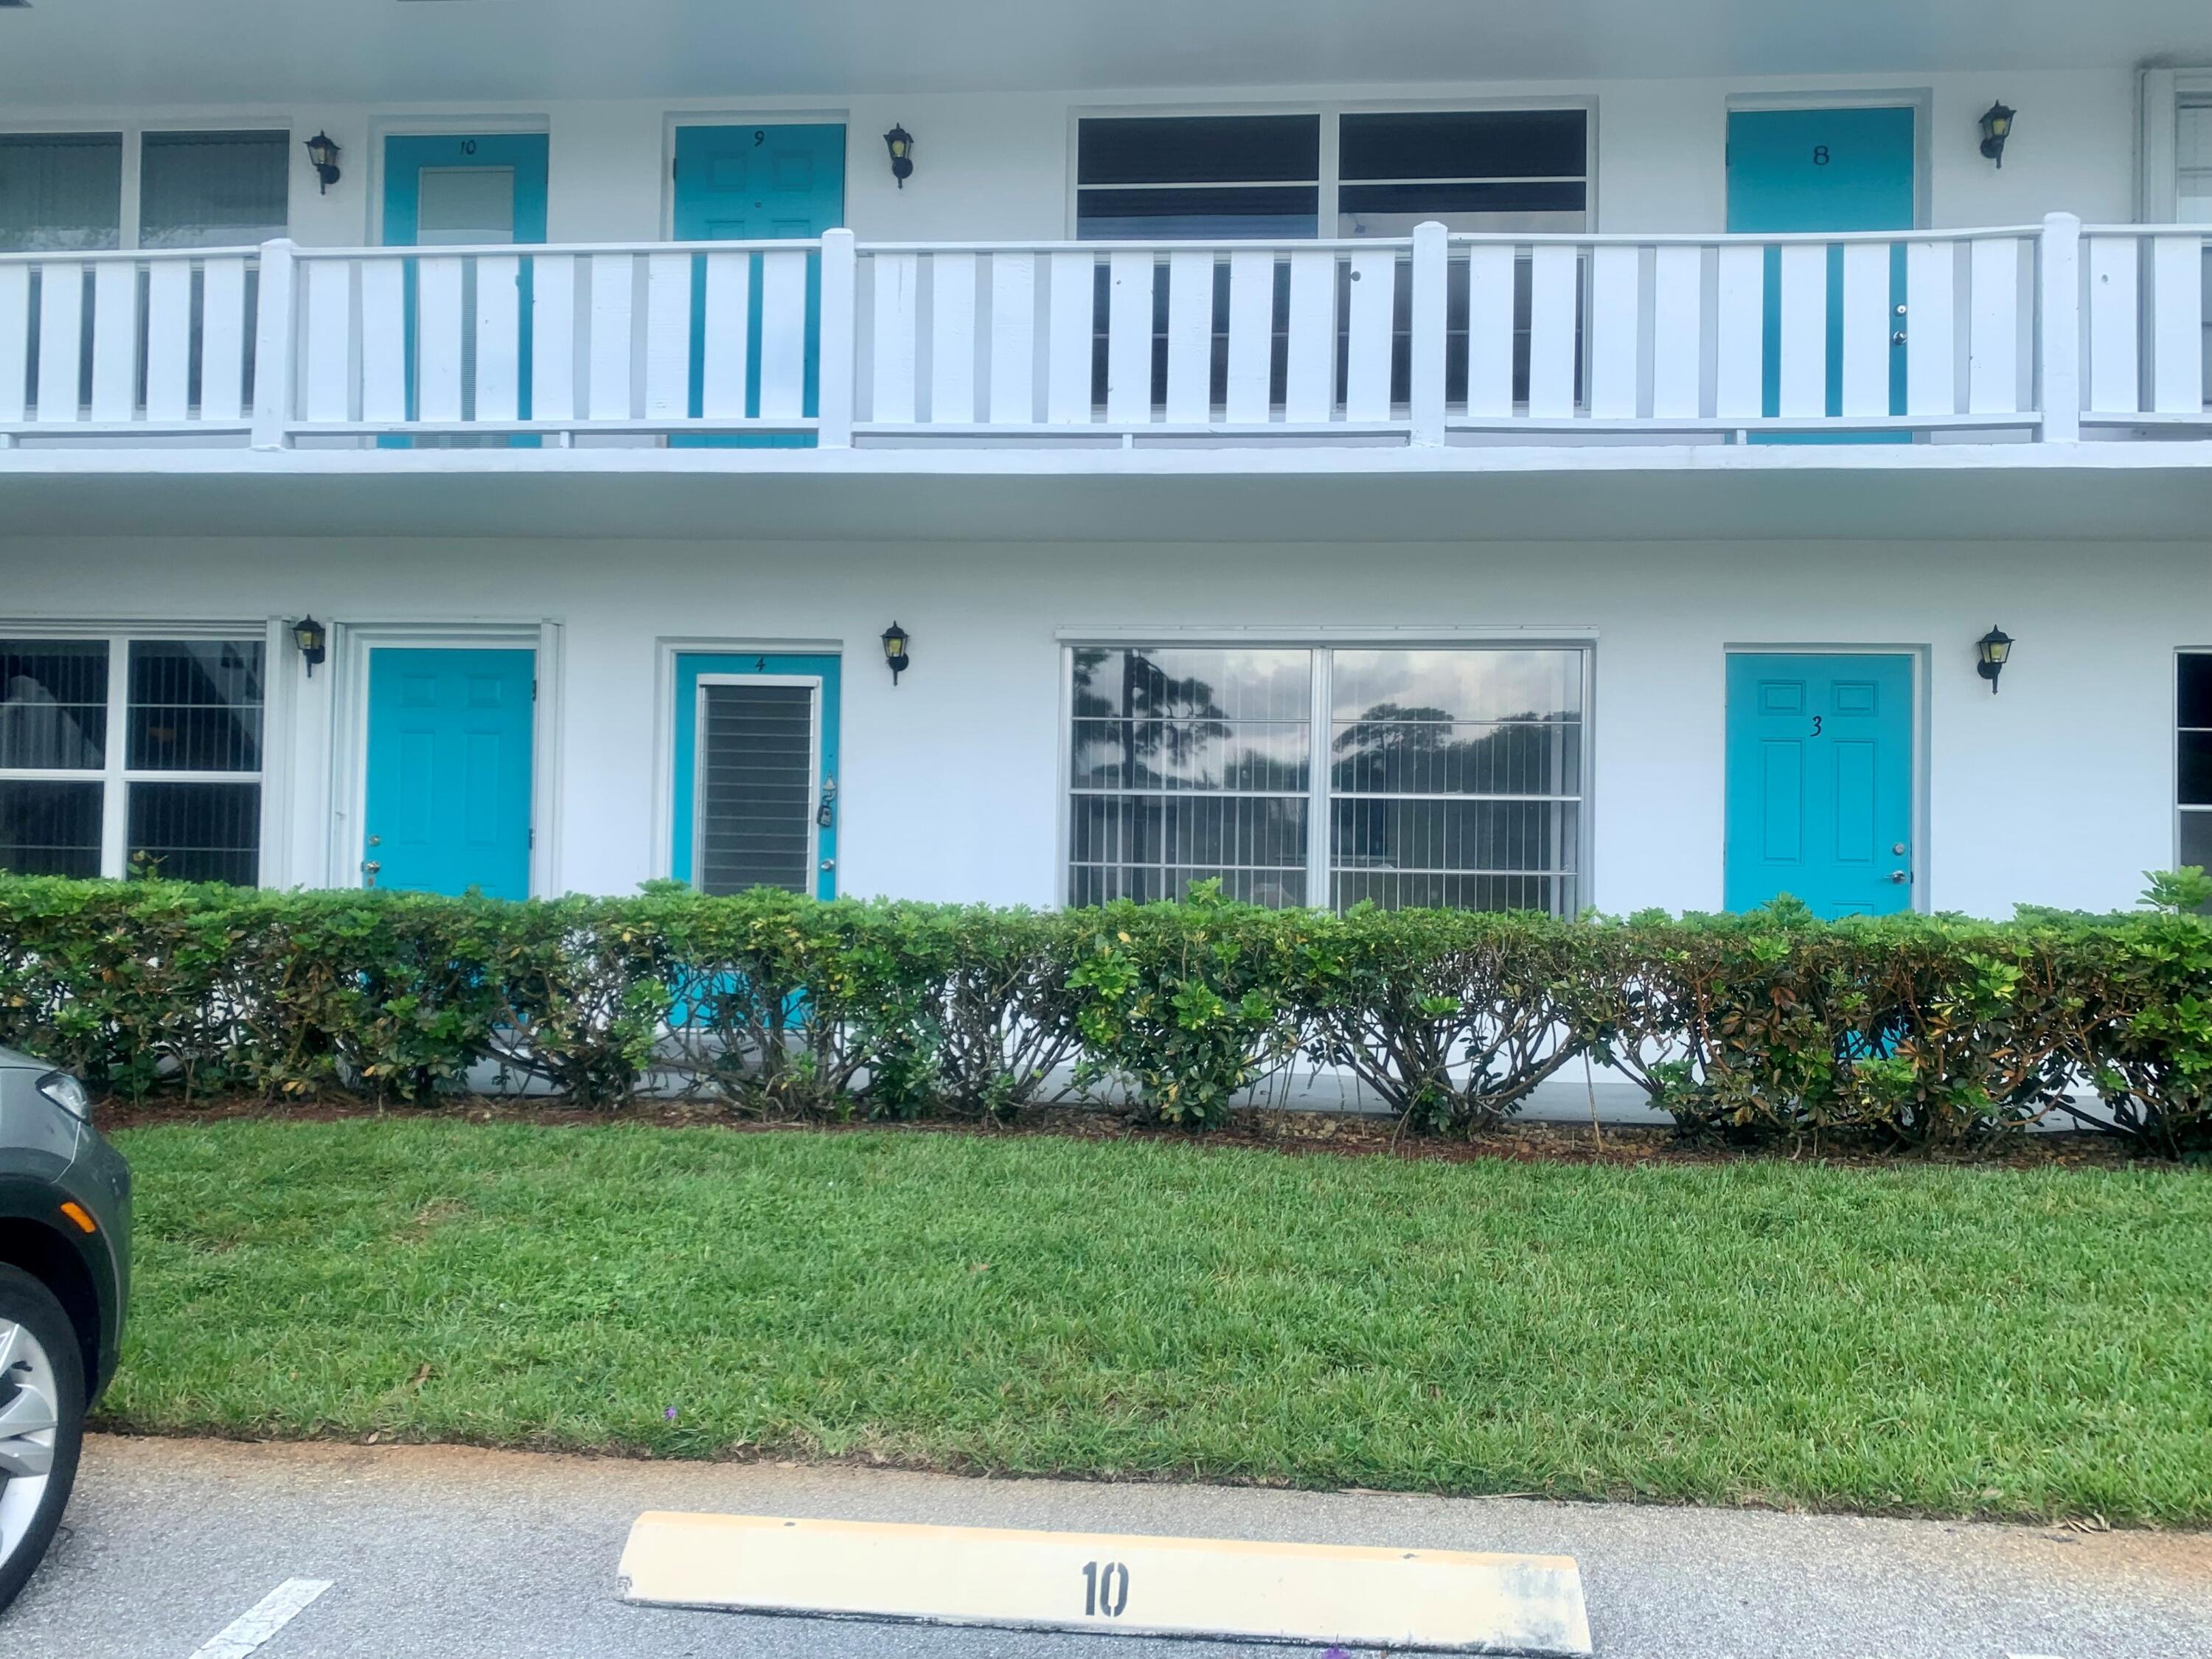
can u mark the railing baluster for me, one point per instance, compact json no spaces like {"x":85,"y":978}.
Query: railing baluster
{"x":1013,"y":339}
{"x":326,"y":370}
{"x":384,"y":340}
{"x":1740,"y":310}
{"x":837,"y":303}
{"x":1993,"y":327}
{"x":438,"y":339}
{"x":1554,"y":276}
{"x":1931,"y":368}
{"x":61,"y":337}
{"x":1190,"y":336}
{"x":1678,"y":321}
{"x":1250,"y":389}
{"x":724,"y":349}
{"x":114,"y":340}
{"x":15,"y":340}
{"x":1867,"y":328}
{"x":952,"y":338}
{"x":1804,"y":348}
{"x":667,"y":338}
{"x":168,"y":341}
{"x":1615,"y":280}
{"x":1372,"y":304}
{"x":276,"y":342}
{"x":1427,"y":311}
{"x":1309,"y":388}
{"x":2115,"y":379}
{"x":1068,"y":363}
{"x":1490,"y":276}
{"x":1129,"y":337}
{"x":223,"y":324}
{"x":783,"y":336}
{"x":897,"y":277}
{"x":2177,"y":334}
{"x":613,"y":278}
{"x":2059,"y":302}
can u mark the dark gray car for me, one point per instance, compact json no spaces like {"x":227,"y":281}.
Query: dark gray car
{"x":64,"y":1278}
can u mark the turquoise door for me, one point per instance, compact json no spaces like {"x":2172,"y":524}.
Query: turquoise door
{"x":740,"y":184}
{"x":466,"y":191}
{"x":450,"y":735}
{"x":1824,"y":169}
{"x":755,"y":773}
{"x":1819,"y":781}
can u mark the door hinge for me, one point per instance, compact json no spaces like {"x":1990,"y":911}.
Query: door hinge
{"x":533,"y":841}
{"x":533,"y":689}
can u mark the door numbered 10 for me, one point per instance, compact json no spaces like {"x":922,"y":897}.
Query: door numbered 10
{"x":1105,"y":1589}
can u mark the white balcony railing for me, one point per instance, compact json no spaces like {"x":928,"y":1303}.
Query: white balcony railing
{"x":2031,"y":330}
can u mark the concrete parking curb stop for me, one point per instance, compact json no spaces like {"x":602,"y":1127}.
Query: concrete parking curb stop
{"x":1325,"y":1594}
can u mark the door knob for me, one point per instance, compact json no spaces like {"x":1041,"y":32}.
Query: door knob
{"x":1898,"y":850}
{"x":1900,"y":877}
{"x":369,"y":869}
{"x":376,"y":841}
{"x":1900,"y":309}
{"x":829,"y":864}
{"x":1898,"y":338}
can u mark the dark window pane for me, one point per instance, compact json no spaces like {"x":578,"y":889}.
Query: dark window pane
{"x":194,"y":705}
{"x":1537,"y":195}
{"x":2196,"y":700}
{"x":49,"y":828}
{"x":213,"y":189}
{"x":1198,"y":150}
{"x":197,"y":831}
{"x":2197,"y":768}
{"x":53,"y":703}
{"x":1168,"y":215}
{"x":755,"y":789}
{"x":2197,"y":839}
{"x":60,"y":192}
{"x":1526,"y":143}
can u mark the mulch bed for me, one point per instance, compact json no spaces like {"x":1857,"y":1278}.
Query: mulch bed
{"x":1324,"y":1134}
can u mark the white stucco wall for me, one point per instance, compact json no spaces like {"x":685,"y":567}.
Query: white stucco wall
{"x":998,"y":165}
{"x":2060,"y":790}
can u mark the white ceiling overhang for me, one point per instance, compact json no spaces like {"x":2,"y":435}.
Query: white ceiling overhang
{"x":2095,"y":493}
{"x":56,"y":52}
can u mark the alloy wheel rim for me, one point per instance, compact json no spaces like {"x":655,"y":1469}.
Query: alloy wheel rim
{"x":30,"y":1422}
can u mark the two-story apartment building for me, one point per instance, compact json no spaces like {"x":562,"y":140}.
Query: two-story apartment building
{"x":1430,"y":452}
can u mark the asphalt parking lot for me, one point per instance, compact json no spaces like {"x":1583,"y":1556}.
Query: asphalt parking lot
{"x":451,"y":1551}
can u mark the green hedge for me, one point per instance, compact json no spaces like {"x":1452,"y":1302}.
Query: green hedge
{"x":1917,"y":1030}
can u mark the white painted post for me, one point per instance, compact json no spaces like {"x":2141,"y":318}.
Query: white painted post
{"x":2059,"y":300}
{"x":839,"y":310}
{"x":275,"y":332}
{"x":1431,"y":252}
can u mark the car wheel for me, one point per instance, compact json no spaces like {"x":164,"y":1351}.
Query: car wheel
{"x":42,"y":1423}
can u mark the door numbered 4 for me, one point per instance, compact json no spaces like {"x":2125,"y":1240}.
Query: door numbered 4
{"x":1105,"y":1589}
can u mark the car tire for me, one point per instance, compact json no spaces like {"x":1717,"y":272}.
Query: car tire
{"x":52,"y":1353}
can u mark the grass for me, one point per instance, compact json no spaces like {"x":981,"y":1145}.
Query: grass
{"x":1915,"y":1338}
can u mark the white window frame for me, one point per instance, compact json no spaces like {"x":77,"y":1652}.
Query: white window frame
{"x":813,"y":682}
{"x":2181,"y":811}
{"x":1328,"y":112}
{"x":1324,"y":642}
{"x":2160,"y":95}
{"x":133,"y":131}
{"x":115,"y":777}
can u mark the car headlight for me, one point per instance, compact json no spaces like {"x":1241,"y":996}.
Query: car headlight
{"x":66,"y":1092}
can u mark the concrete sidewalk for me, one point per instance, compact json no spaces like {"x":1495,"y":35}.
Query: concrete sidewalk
{"x":447,"y":1551}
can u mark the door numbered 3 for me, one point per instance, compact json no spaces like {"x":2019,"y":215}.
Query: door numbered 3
{"x":1105,"y":1589}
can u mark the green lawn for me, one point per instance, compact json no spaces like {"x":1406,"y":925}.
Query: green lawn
{"x":1919,"y":1338}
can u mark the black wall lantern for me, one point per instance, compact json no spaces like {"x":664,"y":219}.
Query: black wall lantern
{"x":1996,"y":127}
{"x":900,"y":142}
{"x":308,"y":634}
{"x":323,"y":151}
{"x":1994,"y":648}
{"x":895,"y":644}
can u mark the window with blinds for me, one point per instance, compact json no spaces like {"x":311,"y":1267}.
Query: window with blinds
{"x":213,"y":189}
{"x":755,"y":794}
{"x":131,"y":755}
{"x":1451,"y":777}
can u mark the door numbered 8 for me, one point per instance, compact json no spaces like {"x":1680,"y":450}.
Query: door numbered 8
{"x":1105,"y":1589}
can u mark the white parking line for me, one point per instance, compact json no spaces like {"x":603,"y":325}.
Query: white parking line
{"x":262,"y":1620}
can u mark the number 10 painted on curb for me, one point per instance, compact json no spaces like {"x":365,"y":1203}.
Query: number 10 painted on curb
{"x":1105,"y":1589}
